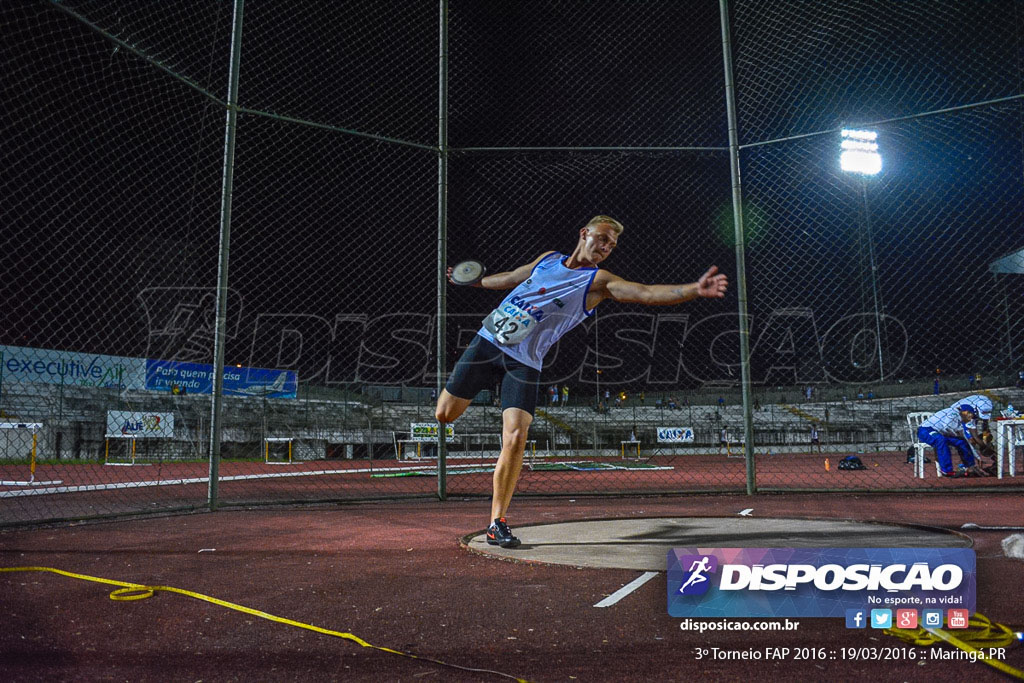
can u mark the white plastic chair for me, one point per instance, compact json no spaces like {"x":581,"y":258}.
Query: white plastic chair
{"x":1009,"y":435}
{"x":914,"y":421}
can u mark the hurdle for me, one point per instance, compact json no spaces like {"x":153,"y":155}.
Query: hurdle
{"x":631,"y":444}
{"x":131,"y":451}
{"x":266,"y":449}
{"x":34,"y":427}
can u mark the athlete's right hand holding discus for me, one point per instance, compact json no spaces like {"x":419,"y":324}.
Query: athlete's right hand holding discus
{"x":467,"y":273}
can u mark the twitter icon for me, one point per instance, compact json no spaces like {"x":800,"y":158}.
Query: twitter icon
{"x":881,"y":618}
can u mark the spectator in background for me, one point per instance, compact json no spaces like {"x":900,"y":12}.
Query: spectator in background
{"x":935,"y":388}
{"x":815,"y":441}
{"x":565,"y":395}
{"x":955,"y":427}
{"x":553,"y":394}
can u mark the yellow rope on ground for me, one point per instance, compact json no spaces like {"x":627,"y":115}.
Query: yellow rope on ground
{"x":980,"y":633}
{"x":137,"y":591}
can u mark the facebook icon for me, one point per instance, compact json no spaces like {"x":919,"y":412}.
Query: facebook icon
{"x":856,"y":618}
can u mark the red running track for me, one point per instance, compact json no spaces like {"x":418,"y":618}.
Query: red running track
{"x":396,"y":575}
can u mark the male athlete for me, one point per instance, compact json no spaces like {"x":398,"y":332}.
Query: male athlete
{"x":550,"y":295}
{"x":957,"y":426}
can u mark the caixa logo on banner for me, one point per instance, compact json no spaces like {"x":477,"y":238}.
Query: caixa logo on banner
{"x":675,"y":435}
{"x":816,"y":582}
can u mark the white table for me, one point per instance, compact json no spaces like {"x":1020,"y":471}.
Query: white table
{"x":1008,"y":435}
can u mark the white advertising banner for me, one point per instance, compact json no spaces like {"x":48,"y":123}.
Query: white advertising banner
{"x":427,"y":431}
{"x":125,"y":424}
{"x":19,"y":364}
{"x":675,"y":435}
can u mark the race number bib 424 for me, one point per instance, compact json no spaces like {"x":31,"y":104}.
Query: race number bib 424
{"x":509,"y":324}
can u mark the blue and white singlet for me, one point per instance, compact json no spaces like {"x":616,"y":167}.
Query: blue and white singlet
{"x":536,"y":314}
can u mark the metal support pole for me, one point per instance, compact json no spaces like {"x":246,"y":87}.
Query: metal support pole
{"x":874,"y":277}
{"x":1006,"y":315}
{"x":741,"y":270}
{"x":597,"y":362}
{"x":442,"y":239}
{"x":230,"y":126}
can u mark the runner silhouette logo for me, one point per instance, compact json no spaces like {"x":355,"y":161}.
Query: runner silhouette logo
{"x":699,"y":567}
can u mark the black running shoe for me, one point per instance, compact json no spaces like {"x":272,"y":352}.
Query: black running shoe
{"x":499,"y":534}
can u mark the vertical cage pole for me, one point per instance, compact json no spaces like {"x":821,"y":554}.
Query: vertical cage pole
{"x":442,"y":238}
{"x":741,"y":269}
{"x":230,"y":126}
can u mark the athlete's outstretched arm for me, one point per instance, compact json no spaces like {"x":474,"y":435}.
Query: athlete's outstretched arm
{"x":509,"y":279}
{"x":710,"y":285}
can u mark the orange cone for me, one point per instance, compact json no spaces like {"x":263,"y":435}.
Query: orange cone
{"x":826,"y":465}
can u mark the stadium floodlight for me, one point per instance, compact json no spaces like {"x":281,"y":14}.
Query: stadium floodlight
{"x":860,"y":156}
{"x":860,"y":152}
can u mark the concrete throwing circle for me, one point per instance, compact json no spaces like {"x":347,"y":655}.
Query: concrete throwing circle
{"x":643,"y":544}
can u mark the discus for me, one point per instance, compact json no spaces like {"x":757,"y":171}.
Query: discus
{"x":468,"y":273}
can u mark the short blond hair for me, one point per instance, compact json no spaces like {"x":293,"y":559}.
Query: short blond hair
{"x":606,"y":220}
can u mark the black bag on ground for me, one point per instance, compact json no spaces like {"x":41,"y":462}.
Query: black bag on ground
{"x":851,"y":462}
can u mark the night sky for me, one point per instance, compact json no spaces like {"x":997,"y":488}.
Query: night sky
{"x":112,"y":181}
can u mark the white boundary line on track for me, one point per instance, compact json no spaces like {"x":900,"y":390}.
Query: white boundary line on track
{"x":627,"y":589}
{"x":204,"y":480}
{"x":199,"y":480}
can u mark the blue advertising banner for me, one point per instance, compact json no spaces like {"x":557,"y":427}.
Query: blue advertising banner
{"x":817,"y":582}
{"x":197,"y":378}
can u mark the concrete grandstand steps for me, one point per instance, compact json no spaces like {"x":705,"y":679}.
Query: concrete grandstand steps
{"x":555,"y":420}
{"x":803,"y":415}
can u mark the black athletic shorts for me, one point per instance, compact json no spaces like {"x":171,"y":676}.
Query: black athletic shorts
{"x":483,"y":364}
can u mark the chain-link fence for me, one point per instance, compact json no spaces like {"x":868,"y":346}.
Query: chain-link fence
{"x":903,"y":279}
{"x":367,"y":134}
